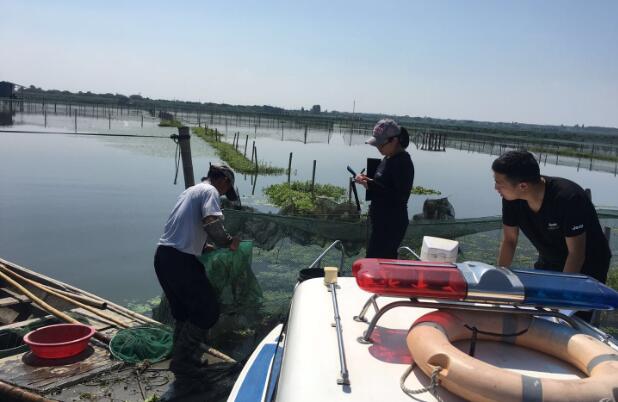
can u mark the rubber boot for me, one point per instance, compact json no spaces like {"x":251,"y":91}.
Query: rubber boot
{"x":187,"y":364}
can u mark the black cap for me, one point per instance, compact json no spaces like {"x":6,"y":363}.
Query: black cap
{"x":229,"y":173}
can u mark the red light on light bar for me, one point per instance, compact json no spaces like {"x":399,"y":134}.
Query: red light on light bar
{"x":410,"y":278}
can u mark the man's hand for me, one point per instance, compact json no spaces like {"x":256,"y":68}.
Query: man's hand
{"x":577,"y":253}
{"x":507,"y":245}
{"x":234,"y":244}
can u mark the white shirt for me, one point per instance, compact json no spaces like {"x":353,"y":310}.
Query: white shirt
{"x":184,"y":230}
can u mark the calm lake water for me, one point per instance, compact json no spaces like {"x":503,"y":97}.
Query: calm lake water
{"x":88,"y":210}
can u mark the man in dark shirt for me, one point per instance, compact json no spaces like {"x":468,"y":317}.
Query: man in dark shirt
{"x":554,"y":213}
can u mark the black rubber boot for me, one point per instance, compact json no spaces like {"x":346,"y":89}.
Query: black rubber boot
{"x":187,"y":354}
{"x":186,"y":390}
{"x":187,"y":364}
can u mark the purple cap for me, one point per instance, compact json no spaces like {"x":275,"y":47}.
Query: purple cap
{"x":383,"y":130}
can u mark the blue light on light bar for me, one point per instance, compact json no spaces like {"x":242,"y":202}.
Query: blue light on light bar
{"x":573,"y":291}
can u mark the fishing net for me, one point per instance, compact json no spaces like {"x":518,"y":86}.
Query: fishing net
{"x":232,"y":278}
{"x":267,"y":230}
{"x":134,"y":345}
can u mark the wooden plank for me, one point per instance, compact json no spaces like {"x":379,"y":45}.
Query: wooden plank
{"x":14,"y":295}
{"x":8,"y":315}
{"x":11,"y":301}
{"x":40,"y":377}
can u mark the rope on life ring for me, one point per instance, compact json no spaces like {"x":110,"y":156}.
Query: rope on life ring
{"x":432,"y":387}
{"x":431,"y":338}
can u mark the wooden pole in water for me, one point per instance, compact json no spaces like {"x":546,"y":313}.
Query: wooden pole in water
{"x":184,"y":140}
{"x":256,"y":161}
{"x":252,"y":151}
{"x":109,"y":121}
{"x":76,"y":120}
{"x":289,"y":167}
{"x":246,"y":141}
{"x":142,"y":120}
{"x":313,"y":177}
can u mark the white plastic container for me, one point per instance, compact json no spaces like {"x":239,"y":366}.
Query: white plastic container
{"x":436,"y":249}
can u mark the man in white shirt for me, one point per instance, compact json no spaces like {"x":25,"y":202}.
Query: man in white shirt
{"x":195,"y":220}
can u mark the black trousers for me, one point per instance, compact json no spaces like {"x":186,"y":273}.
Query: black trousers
{"x":387,"y":232}
{"x":186,"y":286}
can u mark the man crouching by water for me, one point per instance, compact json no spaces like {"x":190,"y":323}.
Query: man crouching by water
{"x":555,"y":214}
{"x":195,"y":220}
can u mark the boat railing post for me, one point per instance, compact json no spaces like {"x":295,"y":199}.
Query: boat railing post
{"x":370,"y":302}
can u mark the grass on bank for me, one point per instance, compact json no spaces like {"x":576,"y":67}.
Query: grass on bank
{"x":298,"y":198}
{"x":573,"y":153}
{"x":170,"y":123}
{"x":420,"y":190}
{"x":233,"y":157}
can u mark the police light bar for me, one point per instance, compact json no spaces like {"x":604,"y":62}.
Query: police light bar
{"x":482,"y":283}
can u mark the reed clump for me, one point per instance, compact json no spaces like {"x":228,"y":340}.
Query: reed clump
{"x":170,"y":123}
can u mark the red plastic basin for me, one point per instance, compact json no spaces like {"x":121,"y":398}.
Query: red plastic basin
{"x":59,"y":341}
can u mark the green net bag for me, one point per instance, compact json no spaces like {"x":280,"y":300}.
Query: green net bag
{"x":134,"y":345}
{"x":231,"y":276}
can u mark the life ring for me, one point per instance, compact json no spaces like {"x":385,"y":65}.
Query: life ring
{"x":430,"y":343}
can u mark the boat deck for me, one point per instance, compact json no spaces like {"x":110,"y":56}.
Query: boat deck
{"x":310,"y":367}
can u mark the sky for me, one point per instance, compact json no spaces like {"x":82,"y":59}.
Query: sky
{"x":541,"y":62}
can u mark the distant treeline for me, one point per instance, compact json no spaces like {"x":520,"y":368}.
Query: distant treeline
{"x":358,"y":120}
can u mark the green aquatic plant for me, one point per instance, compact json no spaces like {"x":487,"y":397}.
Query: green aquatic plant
{"x":232,"y":156}
{"x":573,"y":153}
{"x":170,"y":123}
{"x":299,"y":198}
{"x":420,"y":190}
{"x":145,"y":308}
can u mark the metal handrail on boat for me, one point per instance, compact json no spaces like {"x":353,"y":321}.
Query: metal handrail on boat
{"x":345,"y":378}
{"x":409,"y":250}
{"x":316,"y":263}
{"x":332,"y":287}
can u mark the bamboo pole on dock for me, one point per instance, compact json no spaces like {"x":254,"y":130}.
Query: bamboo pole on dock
{"x":14,"y":393}
{"x":59,"y":295}
{"x":47,"y":307}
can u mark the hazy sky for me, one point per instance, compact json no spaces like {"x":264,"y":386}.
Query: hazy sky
{"x":540,"y":61}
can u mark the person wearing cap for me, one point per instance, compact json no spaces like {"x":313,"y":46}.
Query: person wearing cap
{"x":390,"y":189}
{"x":195,"y":219}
